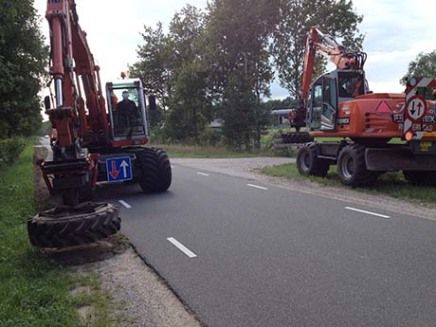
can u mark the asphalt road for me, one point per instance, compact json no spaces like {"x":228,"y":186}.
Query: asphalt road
{"x":259,"y":255}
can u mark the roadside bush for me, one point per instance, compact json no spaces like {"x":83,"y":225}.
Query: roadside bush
{"x":159,"y":135}
{"x":268,"y":138}
{"x":211,"y":137}
{"x":268,"y":144}
{"x":10,"y":149}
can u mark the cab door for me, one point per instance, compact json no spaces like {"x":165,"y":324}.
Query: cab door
{"x":323,"y":104}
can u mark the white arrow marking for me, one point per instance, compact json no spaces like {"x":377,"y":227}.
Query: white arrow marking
{"x":124,"y":165}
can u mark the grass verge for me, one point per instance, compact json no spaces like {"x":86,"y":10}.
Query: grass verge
{"x":34,"y":291}
{"x":91,"y":301}
{"x":187,"y":151}
{"x":391,"y":184}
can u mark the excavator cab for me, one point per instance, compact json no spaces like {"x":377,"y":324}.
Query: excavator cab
{"x":128,"y":113}
{"x":328,"y":91}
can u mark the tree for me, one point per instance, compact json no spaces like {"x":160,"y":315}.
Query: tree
{"x":154,"y":65}
{"x":423,"y":66}
{"x":334,"y":17}
{"x":171,"y":66}
{"x":238,"y":34}
{"x":190,"y":107}
{"x":23,"y":58}
{"x":186,"y":33}
{"x":190,"y":104}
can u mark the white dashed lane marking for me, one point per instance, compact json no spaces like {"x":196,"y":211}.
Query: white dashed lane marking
{"x":125,"y":204}
{"x":258,"y":187}
{"x":181,"y":247}
{"x":368,"y":212}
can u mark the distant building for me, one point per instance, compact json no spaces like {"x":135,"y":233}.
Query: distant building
{"x":280,"y":117}
{"x":216,"y":123}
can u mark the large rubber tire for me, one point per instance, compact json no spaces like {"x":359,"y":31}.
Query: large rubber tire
{"x":154,"y":170}
{"x":425,"y":178}
{"x":351,"y":166}
{"x":296,"y":138}
{"x":308,"y":162}
{"x":70,"y":226}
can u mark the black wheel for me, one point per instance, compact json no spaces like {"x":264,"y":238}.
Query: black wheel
{"x":308,"y":162}
{"x":153,"y":170}
{"x":70,"y":226}
{"x":426,"y":178}
{"x":296,"y":137}
{"x":352,"y":166}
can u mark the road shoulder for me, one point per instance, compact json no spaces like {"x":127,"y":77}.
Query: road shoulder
{"x":136,"y":295}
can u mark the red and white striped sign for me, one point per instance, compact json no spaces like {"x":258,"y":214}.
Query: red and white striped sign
{"x":416,"y":106}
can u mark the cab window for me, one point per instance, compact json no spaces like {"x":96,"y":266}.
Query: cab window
{"x":317,"y":95}
{"x":127,"y":118}
{"x":350,"y":84}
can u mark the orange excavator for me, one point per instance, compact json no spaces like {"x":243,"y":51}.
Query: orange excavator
{"x":339,"y":105}
{"x":92,"y":142}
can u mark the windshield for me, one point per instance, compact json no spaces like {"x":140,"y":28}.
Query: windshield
{"x":127,"y":118}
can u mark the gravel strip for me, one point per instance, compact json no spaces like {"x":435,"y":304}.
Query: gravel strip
{"x":139,"y":298}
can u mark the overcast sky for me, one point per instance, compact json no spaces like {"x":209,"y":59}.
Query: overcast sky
{"x":396,"y":31}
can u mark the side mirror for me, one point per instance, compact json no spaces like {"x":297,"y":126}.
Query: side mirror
{"x":47,"y":103}
{"x":152,"y":103}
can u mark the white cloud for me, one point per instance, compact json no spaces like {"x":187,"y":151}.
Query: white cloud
{"x":396,"y":32}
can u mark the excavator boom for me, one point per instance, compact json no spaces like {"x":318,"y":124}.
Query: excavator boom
{"x":73,"y":70}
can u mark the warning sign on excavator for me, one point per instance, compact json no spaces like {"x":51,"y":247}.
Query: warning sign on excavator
{"x":416,"y":108}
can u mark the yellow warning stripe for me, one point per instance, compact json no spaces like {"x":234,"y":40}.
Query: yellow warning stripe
{"x":429,"y":134}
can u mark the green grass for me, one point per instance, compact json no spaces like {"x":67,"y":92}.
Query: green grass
{"x":392,"y":184}
{"x":95,"y":297}
{"x":33,"y":290}
{"x":187,"y":151}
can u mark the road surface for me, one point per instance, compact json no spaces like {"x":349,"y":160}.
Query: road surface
{"x":239,"y":252}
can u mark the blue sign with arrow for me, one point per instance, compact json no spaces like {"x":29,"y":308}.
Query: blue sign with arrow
{"x":119,"y":169}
